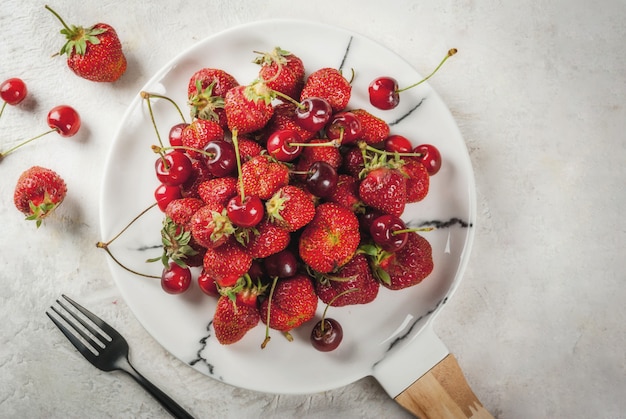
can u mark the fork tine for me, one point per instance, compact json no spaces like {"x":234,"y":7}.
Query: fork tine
{"x":101,"y":339}
{"x":87,"y":353}
{"x":104,"y":326}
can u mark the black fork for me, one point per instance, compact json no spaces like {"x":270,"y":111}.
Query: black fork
{"x":105,"y":348}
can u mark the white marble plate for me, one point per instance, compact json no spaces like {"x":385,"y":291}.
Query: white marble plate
{"x":181,"y":323}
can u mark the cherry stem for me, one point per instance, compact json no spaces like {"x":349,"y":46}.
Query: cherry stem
{"x":333,"y":143}
{"x":341,"y":294}
{"x":60,"y":19}
{"x":160,"y":150}
{"x":4,"y":105}
{"x":388,"y":153}
{"x":412,"y":230}
{"x":147,"y":99}
{"x":450,"y":54}
{"x":242,"y":192}
{"x":288,"y":98}
{"x":148,"y":95}
{"x":267,"y":320}
{"x":25,"y":142}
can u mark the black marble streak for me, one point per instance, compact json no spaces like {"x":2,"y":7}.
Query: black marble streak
{"x":200,"y":358}
{"x":345,"y":55}
{"x":446,"y":224}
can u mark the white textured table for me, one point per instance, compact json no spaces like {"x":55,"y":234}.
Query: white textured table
{"x":538,"y":92}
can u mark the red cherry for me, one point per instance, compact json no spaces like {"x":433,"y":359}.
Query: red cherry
{"x":345,"y":126}
{"x":176,"y":134}
{"x":207,"y":284}
{"x":223,"y":160}
{"x":326,"y":335}
{"x":398,"y":144}
{"x":164,"y":194}
{"x":282,"y":264}
{"x":383,"y":93}
{"x":175,"y":279}
{"x":430,"y":157}
{"x":313,"y":114}
{"x":279,"y":145}
{"x":247,"y":213}
{"x":64,"y":119}
{"x":384,"y":232}
{"x":13,"y":91}
{"x":174,"y":168}
{"x":321,"y":179}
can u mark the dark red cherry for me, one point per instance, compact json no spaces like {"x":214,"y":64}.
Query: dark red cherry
{"x":326,"y":335}
{"x":64,"y":119}
{"x":345,"y":126}
{"x":246,"y":213}
{"x":175,"y":279}
{"x":398,"y":144}
{"x":383,"y":93}
{"x":385,"y":232}
{"x":164,"y":194}
{"x":176,"y":134}
{"x":222,"y":160}
{"x":173,"y":168}
{"x":430,"y":157}
{"x":321,"y":179}
{"x":282,"y":264}
{"x":279,"y":145}
{"x":313,"y":114}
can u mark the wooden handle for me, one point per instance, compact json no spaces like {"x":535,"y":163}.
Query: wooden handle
{"x":441,"y":393}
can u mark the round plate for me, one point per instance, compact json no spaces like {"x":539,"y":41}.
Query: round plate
{"x":182,"y":323}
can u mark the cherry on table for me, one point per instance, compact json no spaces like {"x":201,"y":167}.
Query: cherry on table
{"x":430,"y":157}
{"x":313,"y":113}
{"x":247,"y":212}
{"x":64,"y":119}
{"x":326,"y":335}
{"x":279,"y":145}
{"x":173,"y":168}
{"x":175,"y":279}
{"x":388,"y":232}
{"x":13,"y":91}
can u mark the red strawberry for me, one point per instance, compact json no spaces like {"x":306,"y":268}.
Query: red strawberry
{"x":94,"y":53}
{"x":210,"y":226}
{"x":248,"y":108}
{"x":355,"y":275}
{"x":346,"y":193}
{"x":285,"y":118}
{"x":282,"y":71}
{"x":218,"y":190}
{"x":418,"y":180}
{"x":199,"y":174}
{"x":248,"y":148}
{"x":293,"y":302}
{"x":330,"y":240}
{"x":233,"y":320}
{"x":206,"y":90}
{"x":373,"y":129}
{"x":384,"y":189}
{"x":329,"y":154}
{"x":181,"y":210}
{"x":200,"y":133}
{"x":266,"y":239}
{"x":178,"y":246}
{"x":226,"y":263}
{"x":38,"y":192}
{"x":290,"y":208}
{"x":263,"y":176}
{"x":329,"y":84}
{"x":410,"y":265}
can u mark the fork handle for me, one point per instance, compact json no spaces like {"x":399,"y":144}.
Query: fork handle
{"x":166,"y":401}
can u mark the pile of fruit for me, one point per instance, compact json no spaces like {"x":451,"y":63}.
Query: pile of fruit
{"x":283,"y":195}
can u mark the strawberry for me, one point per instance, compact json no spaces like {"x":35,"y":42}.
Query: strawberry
{"x":181,"y":210}
{"x":226,"y":263}
{"x":200,"y":133}
{"x":178,"y":246}
{"x":330,"y":240}
{"x":355,"y":275}
{"x":373,"y":129}
{"x":346,"y":193}
{"x":263,"y":176}
{"x":218,"y":190}
{"x":199,"y":174}
{"x":329,"y":154}
{"x":248,"y":108}
{"x":266,"y":239}
{"x":290,"y":208}
{"x":282,"y":71}
{"x":38,"y":192}
{"x":292,"y":303}
{"x":210,"y":226}
{"x":94,"y":53}
{"x":248,"y":148}
{"x":384,"y":188}
{"x":284,"y":117}
{"x":418,"y":180}
{"x":233,"y":320}
{"x":206,"y":90}
{"x":410,"y":265}
{"x":329,"y":84}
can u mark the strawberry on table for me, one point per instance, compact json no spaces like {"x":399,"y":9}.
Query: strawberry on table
{"x":232,"y":320}
{"x":38,"y":192}
{"x":94,"y":53}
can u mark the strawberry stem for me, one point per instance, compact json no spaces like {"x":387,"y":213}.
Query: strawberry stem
{"x":451,"y":52}
{"x":148,"y":95}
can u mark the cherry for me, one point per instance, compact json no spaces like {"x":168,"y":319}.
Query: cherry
{"x":366,"y":219}
{"x":207,"y":284}
{"x":384,"y":93}
{"x":64,"y":119}
{"x":321,"y":179}
{"x":282,"y":264}
{"x":164,"y":194}
{"x":430,"y":157}
{"x":389,"y":232}
{"x":344,"y":126}
{"x":246,"y":212}
{"x":173,"y":168}
{"x":175,"y":279}
{"x":176,"y":134}
{"x":313,"y":113}
{"x":12,"y":92}
{"x":279,"y":145}
{"x":398,"y":144}
{"x":326,"y":335}
{"x":221,"y":159}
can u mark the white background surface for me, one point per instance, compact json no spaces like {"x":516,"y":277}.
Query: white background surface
{"x":538,"y":92}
